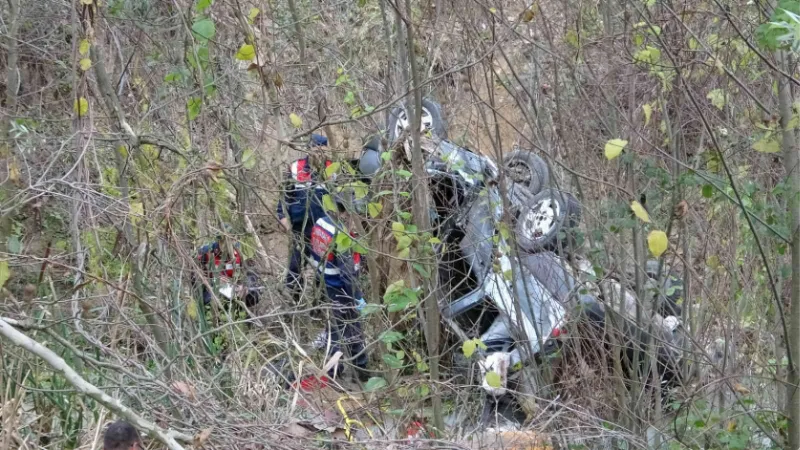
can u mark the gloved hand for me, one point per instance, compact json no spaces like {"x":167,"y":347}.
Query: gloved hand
{"x":360,"y":304}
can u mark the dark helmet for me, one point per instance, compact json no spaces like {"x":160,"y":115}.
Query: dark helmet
{"x":370,"y":160}
{"x":317,"y":140}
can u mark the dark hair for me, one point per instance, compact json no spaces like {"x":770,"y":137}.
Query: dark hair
{"x":120,"y":435}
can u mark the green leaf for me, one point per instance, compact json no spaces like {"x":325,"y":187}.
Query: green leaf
{"x":204,"y":29}
{"x":173,"y":76}
{"x":374,"y":384}
{"x":202,"y":5}
{"x":83,"y":49}
{"x":708,"y":191}
{"x":390,"y":337}
{"x":246,"y":53}
{"x":251,"y":16}
{"x":421,"y":269}
{"x":248,"y":159}
{"x":392,"y":361}
{"x":648,"y":55}
{"x":404,"y":253}
{"x":403,"y":173}
{"x":767,"y":144}
{"x":332,"y":169}
{"x":350,"y":98}
{"x":343,"y":242}
{"x":374,"y":209}
{"x":14,"y":244}
{"x":398,"y":227}
{"x":81,"y":106}
{"x":493,"y":379}
{"x":717,"y":97}
{"x":614,"y":148}
{"x":193,"y":107}
{"x":434,"y":240}
{"x":5,"y":273}
{"x":370,"y":308}
{"x":386,"y":156}
{"x":328,"y":203}
{"x":403,"y":242}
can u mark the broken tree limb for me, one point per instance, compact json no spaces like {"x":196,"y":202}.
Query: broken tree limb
{"x":169,"y":438}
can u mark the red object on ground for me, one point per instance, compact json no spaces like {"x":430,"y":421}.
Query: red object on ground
{"x":312,"y":383}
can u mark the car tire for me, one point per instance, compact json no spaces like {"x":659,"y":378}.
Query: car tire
{"x":528,"y":169}
{"x":539,"y":223}
{"x":432,"y":119}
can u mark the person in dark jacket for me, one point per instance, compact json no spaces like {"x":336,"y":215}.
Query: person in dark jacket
{"x":337,"y":269}
{"x":222,"y":264}
{"x":301,"y":205}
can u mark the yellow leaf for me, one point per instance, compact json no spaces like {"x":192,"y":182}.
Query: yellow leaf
{"x":85,"y":64}
{"x":614,"y":148}
{"x":81,"y":106}
{"x":191,"y":310}
{"x":5,"y":273}
{"x":469,"y":348}
{"x":13,"y":171}
{"x":657,"y":242}
{"x":493,"y":379}
{"x":246,"y":53}
{"x":86,"y":2}
{"x":648,"y":111}
{"x":83,"y":49}
{"x":493,"y":10}
{"x":137,"y":211}
{"x":640,"y":212}
{"x":297,"y":122}
{"x":767,"y":144}
{"x":251,"y":16}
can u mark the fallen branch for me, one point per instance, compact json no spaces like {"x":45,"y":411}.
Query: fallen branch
{"x":169,"y":438}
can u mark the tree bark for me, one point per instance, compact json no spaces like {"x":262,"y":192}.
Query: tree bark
{"x":421,"y":208}
{"x":790,"y":161}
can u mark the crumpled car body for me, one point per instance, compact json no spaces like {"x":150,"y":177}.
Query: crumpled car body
{"x":517,"y":305}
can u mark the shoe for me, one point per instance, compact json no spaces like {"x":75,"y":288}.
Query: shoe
{"x":363,"y":374}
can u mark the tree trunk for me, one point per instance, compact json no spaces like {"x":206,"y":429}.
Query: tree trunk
{"x":790,"y":161}
{"x":421,"y":208}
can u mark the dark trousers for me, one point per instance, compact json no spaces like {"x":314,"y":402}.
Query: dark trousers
{"x":346,"y":327}
{"x":299,"y":252}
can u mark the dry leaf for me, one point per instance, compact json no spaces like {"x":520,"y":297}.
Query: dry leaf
{"x":185,"y":389}
{"x":741,"y":389}
{"x":201,"y":438}
{"x":681,"y":209}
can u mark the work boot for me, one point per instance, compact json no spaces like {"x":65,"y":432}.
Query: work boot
{"x":363,"y":374}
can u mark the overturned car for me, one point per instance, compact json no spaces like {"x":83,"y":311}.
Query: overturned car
{"x":513,"y":280}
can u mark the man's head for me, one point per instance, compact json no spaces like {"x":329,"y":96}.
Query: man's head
{"x":121,"y":435}
{"x":317,"y":146}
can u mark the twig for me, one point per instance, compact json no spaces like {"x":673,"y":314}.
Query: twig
{"x":169,"y":438}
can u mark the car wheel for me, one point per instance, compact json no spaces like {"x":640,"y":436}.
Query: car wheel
{"x":540,"y":222}
{"x":528,"y":169}
{"x":432,"y":120}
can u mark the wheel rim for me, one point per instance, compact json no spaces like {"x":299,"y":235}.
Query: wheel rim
{"x":519,"y":172}
{"x":404,"y":123}
{"x":541,"y":219}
